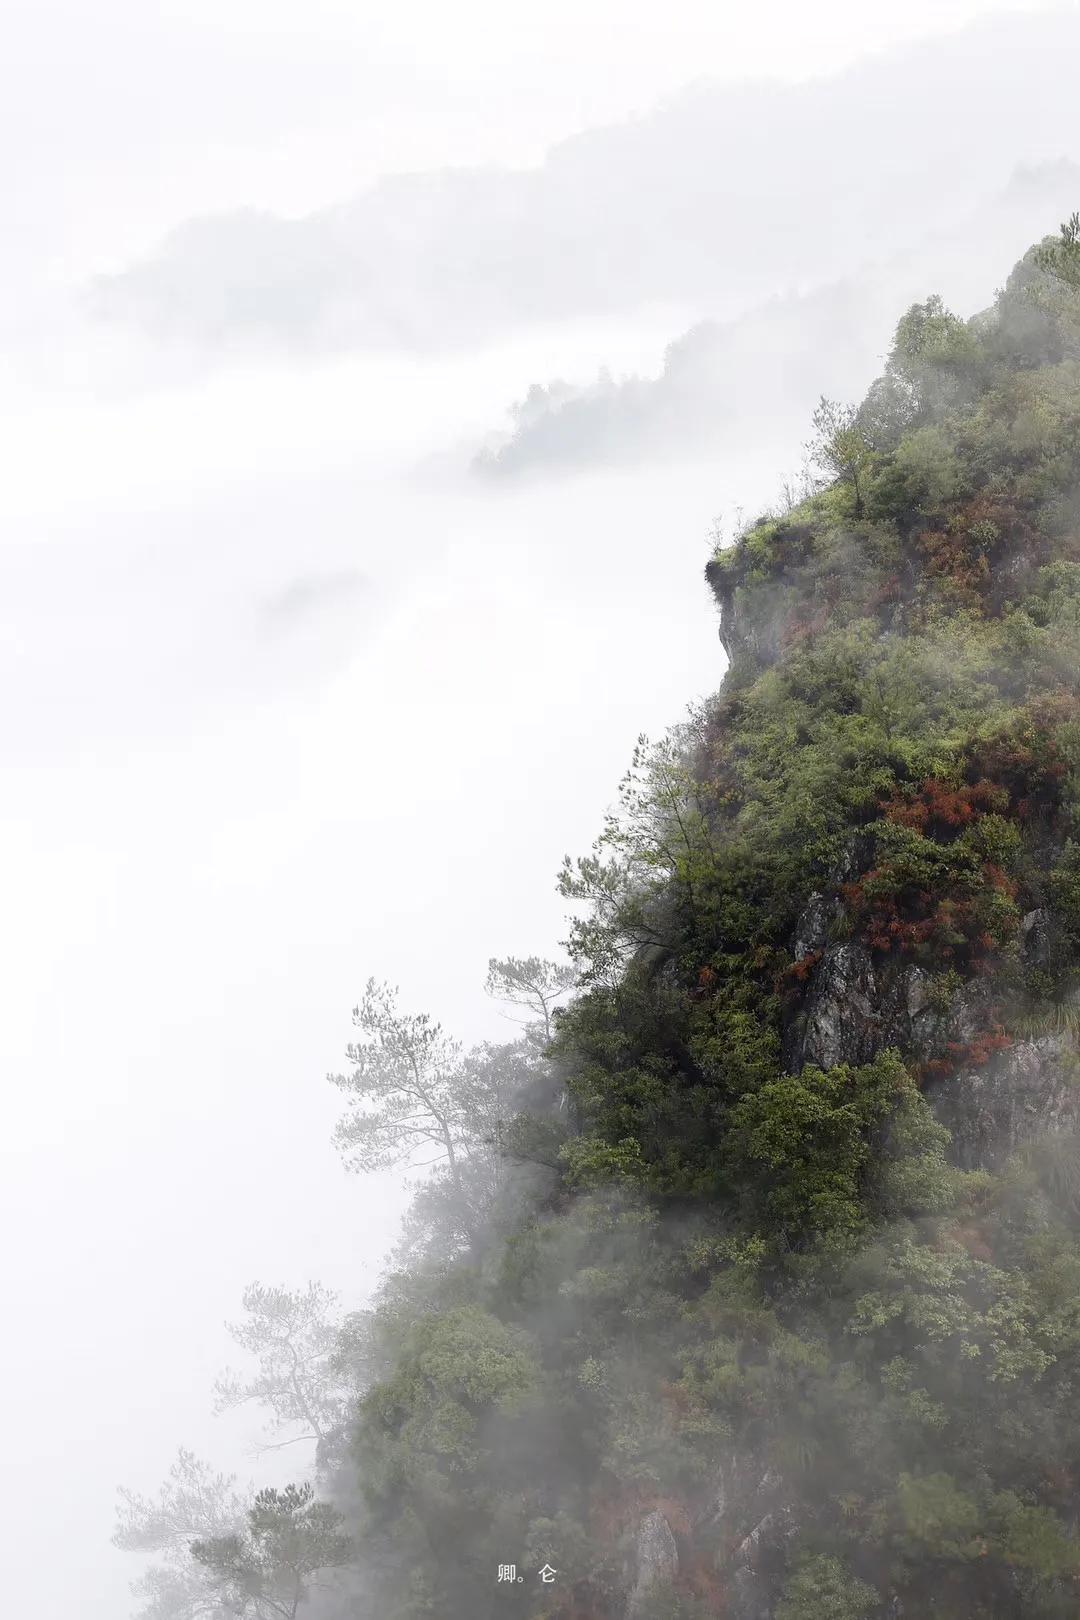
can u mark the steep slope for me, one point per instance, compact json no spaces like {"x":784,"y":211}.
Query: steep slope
{"x":753,"y":380}
{"x":787,"y":1326}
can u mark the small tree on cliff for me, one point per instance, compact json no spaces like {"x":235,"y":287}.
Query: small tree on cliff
{"x":193,"y":1504}
{"x":293,"y":1336}
{"x":840,"y":447}
{"x":534,"y":985}
{"x":1061,"y":258}
{"x":656,"y":842}
{"x":416,"y":1098}
{"x":406,"y":1101}
{"x":266,"y":1570}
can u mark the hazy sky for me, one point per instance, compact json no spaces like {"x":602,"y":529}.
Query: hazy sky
{"x":283,"y":712}
{"x":118,"y":119}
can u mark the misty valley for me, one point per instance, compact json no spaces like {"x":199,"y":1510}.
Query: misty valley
{"x":541,"y":610}
{"x":743,"y":1280}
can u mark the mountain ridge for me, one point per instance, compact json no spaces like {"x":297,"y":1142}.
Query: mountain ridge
{"x":746,"y":1283}
{"x":645,"y":211}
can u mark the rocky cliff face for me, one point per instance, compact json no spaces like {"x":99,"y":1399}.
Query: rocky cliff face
{"x":1027,"y":1093}
{"x":933,"y":910}
{"x":791,"y":1331}
{"x":656,"y":1564}
{"x":855,"y":1007}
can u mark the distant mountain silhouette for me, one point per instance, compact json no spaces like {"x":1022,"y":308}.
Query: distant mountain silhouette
{"x":716,"y":200}
{"x":735,"y":380}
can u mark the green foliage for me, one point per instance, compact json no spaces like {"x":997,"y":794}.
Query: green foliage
{"x":592,"y":1162}
{"x":804,"y":1146}
{"x":749,"y":1266}
{"x":1061,"y":258}
{"x":195,"y":1503}
{"x":267,"y":1569}
{"x":747,"y":1284}
{"x":651,"y":862}
{"x":822,"y":1589}
{"x":1032,"y":1538}
{"x":937,"y":1517}
{"x":841,"y":446}
{"x":450,"y":1367}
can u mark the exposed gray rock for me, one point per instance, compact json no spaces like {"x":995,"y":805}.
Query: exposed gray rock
{"x":1035,"y":932}
{"x":749,"y":1549}
{"x":812,"y":932}
{"x":741,"y":1495}
{"x":752,"y":1598}
{"x":819,"y":915}
{"x":968,"y":1014}
{"x":917,"y":986}
{"x":657,"y":1559}
{"x":748,"y":1513}
{"x":840,"y":1020}
{"x":855,"y":1007}
{"x":1028,"y":1091}
{"x":758,"y":1564}
{"x":720,"y":1503}
{"x":927,"y":1025}
{"x":749,"y":633}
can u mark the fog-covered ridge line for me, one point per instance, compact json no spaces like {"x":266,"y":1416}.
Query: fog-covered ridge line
{"x":686,"y":206}
{"x":731,"y":382}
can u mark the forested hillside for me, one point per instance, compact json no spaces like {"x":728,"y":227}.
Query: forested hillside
{"x":747,"y":1281}
{"x":737,"y":384}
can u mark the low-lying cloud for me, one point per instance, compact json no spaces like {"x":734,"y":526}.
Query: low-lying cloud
{"x":732,"y":382}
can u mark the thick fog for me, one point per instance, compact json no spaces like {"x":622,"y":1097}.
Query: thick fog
{"x":652,"y":210}
{"x":755,"y":378}
{"x":294,"y":697}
